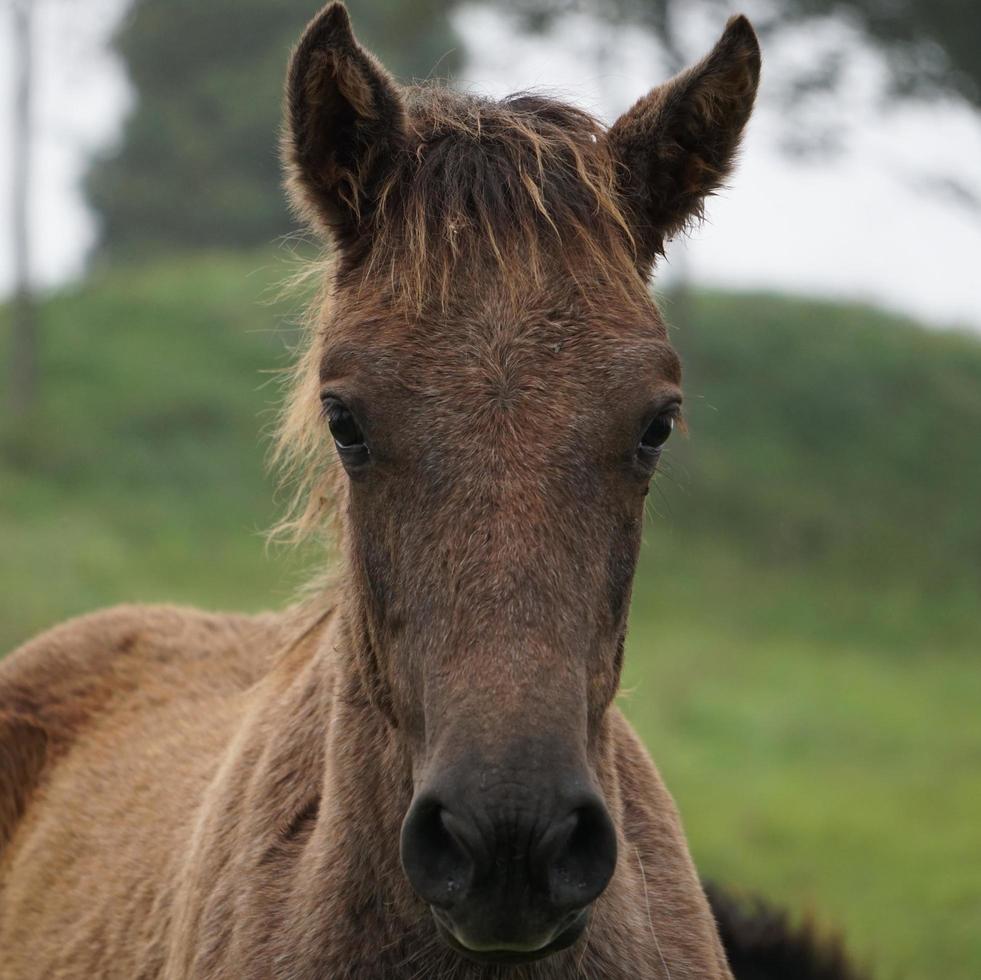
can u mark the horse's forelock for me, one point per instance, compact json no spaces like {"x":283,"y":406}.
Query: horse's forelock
{"x":523,"y":188}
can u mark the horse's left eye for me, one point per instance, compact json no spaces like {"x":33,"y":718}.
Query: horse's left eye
{"x":657,"y":433}
{"x":346,"y":432}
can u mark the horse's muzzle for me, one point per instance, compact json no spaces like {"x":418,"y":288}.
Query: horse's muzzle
{"x":509,"y":874}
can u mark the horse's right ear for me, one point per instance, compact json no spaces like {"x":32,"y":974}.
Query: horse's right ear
{"x":345,"y":121}
{"x":677,"y":144}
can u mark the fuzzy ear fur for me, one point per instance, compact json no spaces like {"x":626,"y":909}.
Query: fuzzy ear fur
{"x":677,"y":144}
{"x":344,"y":121}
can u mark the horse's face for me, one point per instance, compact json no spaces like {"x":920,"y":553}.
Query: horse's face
{"x":498,"y":462}
{"x":497,"y":438}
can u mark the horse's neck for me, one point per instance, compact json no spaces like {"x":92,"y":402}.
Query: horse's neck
{"x":345,"y":871}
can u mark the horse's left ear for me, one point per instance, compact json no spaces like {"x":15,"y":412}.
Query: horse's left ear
{"x":344,"y":123}
{"x":678,"y":143}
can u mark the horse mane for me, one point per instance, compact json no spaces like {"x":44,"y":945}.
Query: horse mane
{"x":516,"y":191}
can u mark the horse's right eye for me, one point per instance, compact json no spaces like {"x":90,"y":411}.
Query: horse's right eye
{"x":657,"y":432}
{"x":346,"y":432}
{"x":656,"y":435}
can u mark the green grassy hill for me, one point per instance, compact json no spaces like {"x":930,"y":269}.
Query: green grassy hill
{"x":804,"y":650}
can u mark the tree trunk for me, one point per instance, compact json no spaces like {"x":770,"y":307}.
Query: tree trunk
{"x":23,"y":352}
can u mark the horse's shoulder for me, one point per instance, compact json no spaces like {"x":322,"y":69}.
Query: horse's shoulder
{"x":59,"y":684}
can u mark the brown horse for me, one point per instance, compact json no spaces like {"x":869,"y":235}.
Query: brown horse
{"x":418,"y":772}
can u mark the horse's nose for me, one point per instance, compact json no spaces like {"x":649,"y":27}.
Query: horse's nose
{"x":576,"y":856}
{"x":500,"y":878}
{"x":439,"y":853}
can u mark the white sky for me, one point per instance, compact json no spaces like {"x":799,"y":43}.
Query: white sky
{"x":851,"y":225}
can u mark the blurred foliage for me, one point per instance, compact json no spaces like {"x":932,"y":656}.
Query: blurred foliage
{"x":198,"y":162}
{"x":804,"y":633}
{"x":931,"y":46}
{"x":820,"y":437}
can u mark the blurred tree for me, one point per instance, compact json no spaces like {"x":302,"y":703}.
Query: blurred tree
{"x":931,"y":46}
{"x":198,"y":162}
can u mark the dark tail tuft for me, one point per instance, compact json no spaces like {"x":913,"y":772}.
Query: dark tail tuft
{"x":762,"y":943}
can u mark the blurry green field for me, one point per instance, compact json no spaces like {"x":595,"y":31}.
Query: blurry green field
{"x":805,"y":650}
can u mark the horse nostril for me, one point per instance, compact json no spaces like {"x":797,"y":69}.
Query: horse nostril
{"x":578,"y":855}
{"x":436,"y":858}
